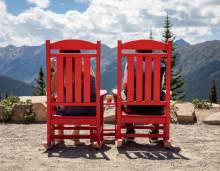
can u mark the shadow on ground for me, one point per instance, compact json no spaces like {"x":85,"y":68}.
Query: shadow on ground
{"x":133,"y":150}
{"x":83,"y":151}
{"x":130,"y":150}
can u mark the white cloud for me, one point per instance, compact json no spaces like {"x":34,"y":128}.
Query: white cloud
{"x":40,"y":3}
{"x":2,"y":6}
{"x":111,"y":20}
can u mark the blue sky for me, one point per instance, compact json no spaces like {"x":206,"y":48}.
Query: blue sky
{"x":59,"y":6}
{"x":31,"y":22}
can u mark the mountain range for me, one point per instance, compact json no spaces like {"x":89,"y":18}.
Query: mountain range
{"x":199,"y":63}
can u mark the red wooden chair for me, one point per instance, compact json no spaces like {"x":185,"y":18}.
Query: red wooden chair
{"x":147,"y":95}
{"x":81,"y":92}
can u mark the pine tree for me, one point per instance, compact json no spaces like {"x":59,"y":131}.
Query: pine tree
{"x":40,"y":88}
{"x":177,"y":83}
{"x":213,"y":93}
{"x":6,"y":95}
{"x":151,"y":34}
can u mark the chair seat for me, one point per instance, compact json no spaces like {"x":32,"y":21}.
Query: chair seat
{"x":143,"y":119}
{"x":89,"y":120}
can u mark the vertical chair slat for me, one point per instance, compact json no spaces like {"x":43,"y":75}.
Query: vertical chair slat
{"x":156,"y":79}
{"x":69,"y":80}
{"x":148,"y":78}
{"x":139,"y":79}
{"x":130,"y":79}
{"x":87,"y":80}
{"x":60,"y":80}
{"x":78,"y":79}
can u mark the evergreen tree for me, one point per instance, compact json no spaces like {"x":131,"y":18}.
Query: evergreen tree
{"x":6,"y":95}
{"x":40,"y":88}
{"x":177,"y":82}
{"x":213,"y":93}
{"x":151,"y":34}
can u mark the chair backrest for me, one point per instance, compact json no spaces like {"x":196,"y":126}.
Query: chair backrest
{"x":69,"y":68}
{"x":148,"y":88}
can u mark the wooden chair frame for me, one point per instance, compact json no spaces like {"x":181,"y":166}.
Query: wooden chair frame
{"x":56,"y":122}
{"x":165,"y":51}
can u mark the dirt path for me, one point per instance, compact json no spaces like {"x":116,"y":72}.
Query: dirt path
{"x":196,"y":147}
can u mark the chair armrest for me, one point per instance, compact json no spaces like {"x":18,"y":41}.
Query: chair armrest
{"x":166,"y":91}
{"x":103,"y":93}
{"x":115,"y":92}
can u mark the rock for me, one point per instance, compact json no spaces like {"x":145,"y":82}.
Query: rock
{"x":34,"y":99}
{"x":39,"y":106}
{"x":109,"y":115}
{"x":185,"y":113}
{"x":40,"y":110}
{"x":18,"y":111}
{"x":213,"y":119}
{"x":1,"y":111}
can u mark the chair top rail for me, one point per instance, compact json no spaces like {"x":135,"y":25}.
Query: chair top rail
{"x":144,"y":44}
{"x":70,"y":55}
{"x":144,"y":54}
{"x":73,"y":44}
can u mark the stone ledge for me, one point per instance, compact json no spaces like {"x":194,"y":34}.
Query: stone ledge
{"x":185,"y":113}
{"x":213,"y":119}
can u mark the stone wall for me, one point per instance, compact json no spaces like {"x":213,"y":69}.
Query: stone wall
{"x":185,"y":112}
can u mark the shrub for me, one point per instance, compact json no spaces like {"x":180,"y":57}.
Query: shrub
{"x":201,"y":104}
{"x":173,"y":113}
{"x":29,"y":115}
{"x":7,"y":110}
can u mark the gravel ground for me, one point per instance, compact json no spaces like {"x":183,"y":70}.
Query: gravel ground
{"x":195,"y":147}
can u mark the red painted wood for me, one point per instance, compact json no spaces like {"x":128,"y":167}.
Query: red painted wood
{"x":70,"y":55}
{"x":73,"y":104}
{"x":75,"y":128}
{"x":69,"y":80}
{"x":144,"y":135}
{"x":95,"y":121}
{"x":69,"y":120}
{"x":86,"y":80}
{"x":49,"y":111}
{"x":144,"y":103}
{"x":140,"y":119}
{"x":78,"y":79}
{"x":60,"y":79}
{"x":144,"y":127}
{"x":148,"y":79}
{"x":155,"y":55}
{"x":139,"y":79}
{"x":130,"y":79}
{"x":168,"y":79}
{"x":144,"y":44}
{"x":73,"y":44}
{"x":156,"y":80}
{"x":121,"y":117}
{"x":73,"y":136}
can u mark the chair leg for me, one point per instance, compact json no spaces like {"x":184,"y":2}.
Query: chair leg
{"x":98,"y":143}
{"x":50,"y":142}
{"x":166,"y":142}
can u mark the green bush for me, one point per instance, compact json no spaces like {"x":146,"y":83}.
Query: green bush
{"x":29,"y":115}
{"x":7,"y":110}
{"x":173,"y":113}
{"x":201,"y":104}
{"x":7,"y":114}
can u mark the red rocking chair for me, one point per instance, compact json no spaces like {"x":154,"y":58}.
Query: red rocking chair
{"x":68,"y":71}
{"x":148,"y":89}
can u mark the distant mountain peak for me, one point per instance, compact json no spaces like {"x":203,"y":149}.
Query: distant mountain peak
{"x":181,"y":42}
